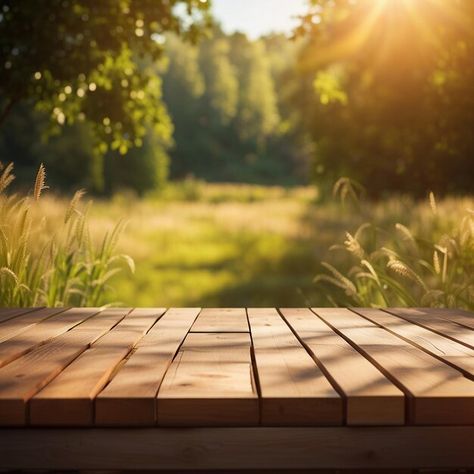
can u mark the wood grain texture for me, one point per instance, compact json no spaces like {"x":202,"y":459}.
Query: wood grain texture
{"x":221,"y":320}
{"x":235,"y":367}
{"x":9,"y":313}
{"x":294,"y":391}
{"x":24,"y":377}
{"x":129,"y":398}
{"x":438,"y":394}
{"x":68,"y":399}
{"x":370,"y":398}
{"x":21,"y":323}
{"x":42,"y":333}
{"x":459,"y":316}
{"x":210,"y":383}
{"x":195,"y":449}
{"x":453,"y":353}
{"x":437,"y":324}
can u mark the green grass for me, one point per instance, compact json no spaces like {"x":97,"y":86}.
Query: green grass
{"x":215,"y":251}
{"x":229,"y":245}
{"x":47,"y":256}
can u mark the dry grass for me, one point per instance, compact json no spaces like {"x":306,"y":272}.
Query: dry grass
{"x":238,"y":245}
{"x":231,"y":245}
{"x":47,"y":254}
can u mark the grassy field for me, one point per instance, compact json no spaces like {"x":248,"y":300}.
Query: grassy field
{"x":228,"y":245}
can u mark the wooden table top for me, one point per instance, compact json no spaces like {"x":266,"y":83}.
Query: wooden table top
{"x":236,"y":367}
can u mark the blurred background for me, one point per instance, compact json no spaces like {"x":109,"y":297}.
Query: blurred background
{"x":261,"y":152}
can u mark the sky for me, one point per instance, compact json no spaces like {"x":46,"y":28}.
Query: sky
{"x":257,"y":17}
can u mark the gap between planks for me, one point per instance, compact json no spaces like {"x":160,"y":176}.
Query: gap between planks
{"x":369,"y":396}
{"x":69,"y":399}
{"x":25,"y":376}
{"x":436,"y":392}
{"x":292,"y":341}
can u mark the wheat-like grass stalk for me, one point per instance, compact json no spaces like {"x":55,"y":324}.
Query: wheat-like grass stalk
{"x":404,"y":270}
{"x":73,"y":203}
{"x":433,"y":204}
{"x":68,"y":270}
{"x":344,"y":282}
{"x":6,"y":177}
{"x":436,"y":264}
{"x":40,"y":182}
{"x":396,"y":269}
{"x":353,"y":246}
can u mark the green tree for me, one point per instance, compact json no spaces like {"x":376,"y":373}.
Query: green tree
{"x":223,"y":101}
{"x":386,"y":93}
{"x":140,"y":170}
{"x":183,"y":86}
{"x":222,"y":87}
{"x":68,"y":156}
{"x":78,"y":60}
{"x":258,"y":111}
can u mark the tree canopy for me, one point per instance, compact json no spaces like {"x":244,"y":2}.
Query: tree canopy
{"x":389,"y":95}
{"x":380,"y":91}
{"x":82,"y":60}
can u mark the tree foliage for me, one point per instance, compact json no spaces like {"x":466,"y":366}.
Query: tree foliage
{"x":95,"y":62}
{"x":388,"y":93}
{"x":223,"y":98}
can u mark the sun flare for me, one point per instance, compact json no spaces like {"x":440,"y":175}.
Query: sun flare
{"x":409,"y":25}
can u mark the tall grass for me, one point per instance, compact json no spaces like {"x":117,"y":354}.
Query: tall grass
{"x":394,"y":267}
{"x":51,"y":263}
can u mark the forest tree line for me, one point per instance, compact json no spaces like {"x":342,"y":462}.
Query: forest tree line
{"x":367,"y":94}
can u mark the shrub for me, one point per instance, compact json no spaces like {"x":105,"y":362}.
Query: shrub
{"x":60,"y":267}
{"x":393,"y":267}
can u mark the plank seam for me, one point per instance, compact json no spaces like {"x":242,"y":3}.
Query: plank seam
{"x":321,"y":367}
{"x":408,"y":396}
{"x":450,"y":319}
{"x":21,"y":313}
{"x":255,"y":377}
{"x":56,"y":312}
{"x":155,"y":407}
{"x":47,"y":341}
{"x":182,"y":342}
{"x":88,"y":346}
{"x":120,"y":364}
{"x":413,"y":343}
{"x":430,"y":329}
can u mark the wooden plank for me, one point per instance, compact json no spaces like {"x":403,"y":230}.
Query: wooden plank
{"x":438,"y":394}
{"x":129,"y":398}
{"x":9,"y":313}
{"x":294,"y":391}
{"x":459,"y":316}
{"x":435,"y":323}
{"x":42,"y":333}
{"x":221,"y":320}
{"x":210,"y":383}
{"x":68,"y":399}
{"x":445,"y":349}
{"x":216,"y":449}
{"x":24,"y":377}
{"x":370,"y":398}
{"x":23,"y":322}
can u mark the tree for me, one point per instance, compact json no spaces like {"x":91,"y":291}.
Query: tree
{"x":222,"y":87}
{"x":258,"y":111}
{"x":82,"y":60}
{"x":386,"y":93}
{"x":183,"y":86}
{"x":222,"y":98}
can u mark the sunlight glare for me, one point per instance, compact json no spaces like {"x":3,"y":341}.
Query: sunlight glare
{"x":394,"y":22}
